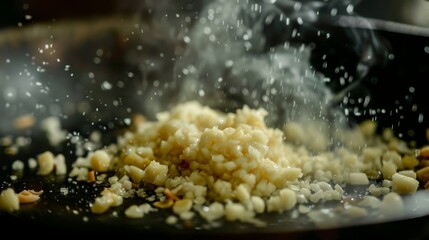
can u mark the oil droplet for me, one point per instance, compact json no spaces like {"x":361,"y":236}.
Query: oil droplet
{"x":106,"y":85}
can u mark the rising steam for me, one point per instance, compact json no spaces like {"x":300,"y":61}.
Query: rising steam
{"x":255,"y":53}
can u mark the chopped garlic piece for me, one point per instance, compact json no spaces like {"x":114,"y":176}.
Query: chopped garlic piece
{"x":358,"y":179}
{"x":403,"y":184}
{"x":392,"y":205}
{"x":46,"y":163}
{"x":100,"y":161}
{"x":9,"y":200}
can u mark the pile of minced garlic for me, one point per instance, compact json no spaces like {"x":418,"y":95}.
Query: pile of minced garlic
{"x":231,"y":166}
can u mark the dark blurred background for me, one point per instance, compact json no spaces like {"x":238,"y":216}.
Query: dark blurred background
{"x":17,"y":12}
{"x":405,"y":74}
{"x":14,"y":12}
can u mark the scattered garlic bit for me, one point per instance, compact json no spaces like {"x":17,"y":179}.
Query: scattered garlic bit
{"x":386,"y":183}
{"x":64,"y":191}
{"x":370,"y":201}
{"x":100,"y":161}
{"x":21,"y":141}
{"x":17,"y":165}
{"x":141,"y":193}
{"x":392,"y":205}
{"x":155,"y":173}
{"x":286,"y":200}
{"x":6,"y":141}
{"x":9,"y":200}
{"x":409,"y":161}
{"x":212,"y":212}
{"x":258,"y":204}
{"x":136,"y":160}
{"x":12,"y":150}
{"x":82,"y":162}
{"x":46,"y":163}
{"x":101,"y":177}
{"x":388,"y":169}
{"x":242,"y":193}
{"x":146,"y":208}
{"x":358,"y":179}
{"x":403,"y":184}
{"x":29,"y":196}
{"x":81,"y":174}
{"x":135,"y":173}
{"x":171,"y":220}
{"x":52,"y":128}
{"x":134,"y":211}
{"x":60,"y":165}
{"x":95,"y":136}
{"x":368,"y":128}
{"x":303,"y":209}
{"x":378,"y":191}
{"x":188,"y":215}
{"x":105,"y":201}
{"x":181,"y":206}
{"x":355,"y":211}
{"x":24,"y":121}
{"x":101,"y":204}
{"x":236,"y":211}
{"x":408,"y":173}
{"x":32,"y":163}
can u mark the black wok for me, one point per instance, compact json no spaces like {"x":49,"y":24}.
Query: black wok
{"x":93,"y":75}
